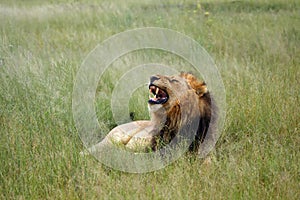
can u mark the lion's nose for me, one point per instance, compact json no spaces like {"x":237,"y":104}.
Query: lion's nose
{"x":153,"y":78}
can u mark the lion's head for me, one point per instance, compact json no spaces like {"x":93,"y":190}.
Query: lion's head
{"x":178,"y":101}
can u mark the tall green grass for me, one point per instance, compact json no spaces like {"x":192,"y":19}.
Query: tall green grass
{"x":255,"y":45}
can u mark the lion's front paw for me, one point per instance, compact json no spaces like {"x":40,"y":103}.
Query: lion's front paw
{"x":139,"y":144}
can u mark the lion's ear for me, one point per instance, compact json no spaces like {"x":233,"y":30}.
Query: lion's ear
{"x":201,"y":89}
{"x":199,"y":86}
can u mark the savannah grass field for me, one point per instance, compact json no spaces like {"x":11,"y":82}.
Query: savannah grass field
{"x":255,"y":45}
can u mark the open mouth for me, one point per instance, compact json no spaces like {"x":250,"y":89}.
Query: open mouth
{"x":157,"y":95}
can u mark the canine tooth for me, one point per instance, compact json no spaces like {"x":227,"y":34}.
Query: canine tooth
{"x":157,"y":89}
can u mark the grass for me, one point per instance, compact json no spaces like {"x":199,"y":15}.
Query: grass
{"x":255,"y":45}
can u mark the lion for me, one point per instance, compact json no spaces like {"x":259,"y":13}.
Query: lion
{"x":178,"y":105}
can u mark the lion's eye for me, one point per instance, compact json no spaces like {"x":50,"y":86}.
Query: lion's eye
{"x":174,"y":81}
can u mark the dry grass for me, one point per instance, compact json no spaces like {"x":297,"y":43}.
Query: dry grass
{"x":254,"y":43}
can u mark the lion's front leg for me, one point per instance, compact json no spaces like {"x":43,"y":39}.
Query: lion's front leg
{"x":135,"y":136}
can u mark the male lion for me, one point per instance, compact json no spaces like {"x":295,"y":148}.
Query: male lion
{"x":178,"y":104}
